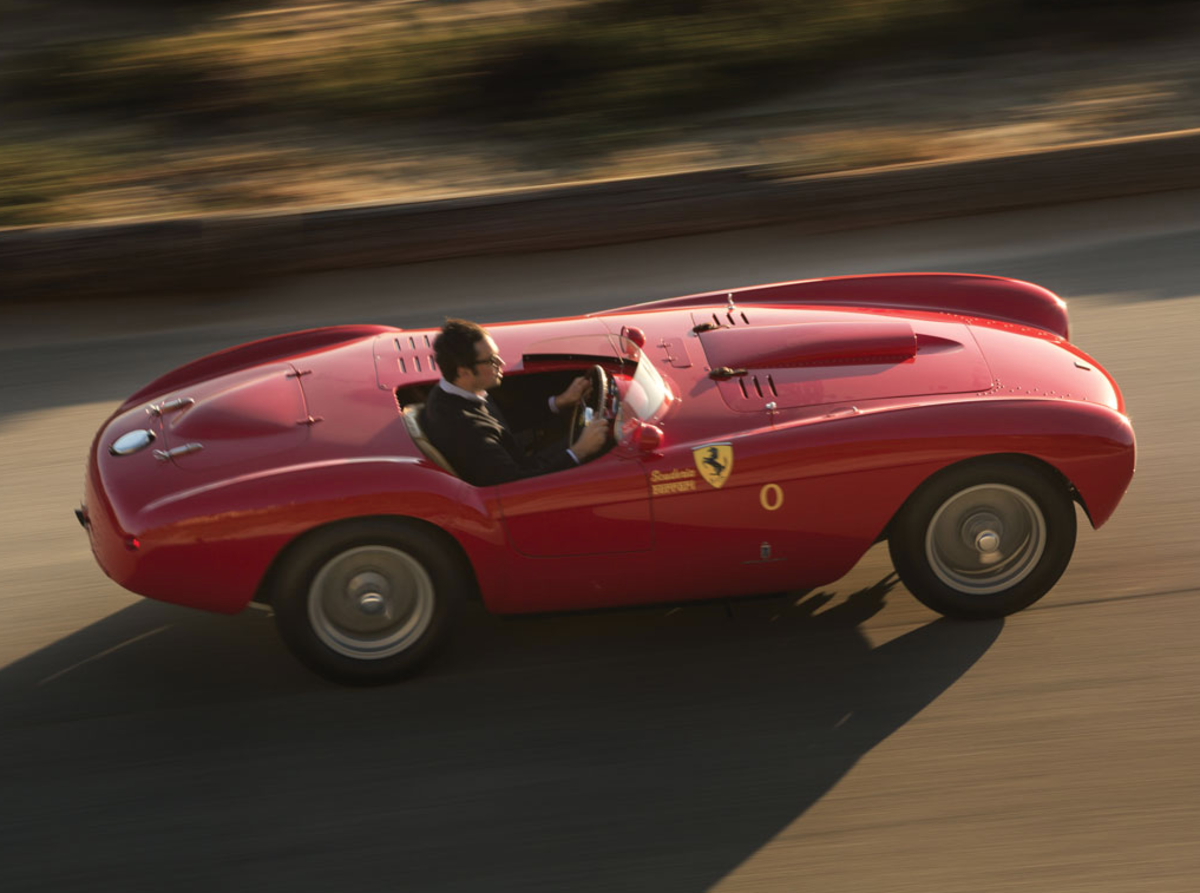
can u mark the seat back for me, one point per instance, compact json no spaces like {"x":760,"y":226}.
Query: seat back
{"x":413,"y":424}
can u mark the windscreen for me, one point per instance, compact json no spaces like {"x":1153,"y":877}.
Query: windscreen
{"x":646,"y":394}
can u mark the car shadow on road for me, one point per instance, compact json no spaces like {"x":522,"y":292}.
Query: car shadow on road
{"x":653,"y":750}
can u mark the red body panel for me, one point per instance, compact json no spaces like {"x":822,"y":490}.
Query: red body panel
{"x":839,"y":483}
{"x":835,"y":416}
{"x":990,"y":297}
{"x":243,"y":356}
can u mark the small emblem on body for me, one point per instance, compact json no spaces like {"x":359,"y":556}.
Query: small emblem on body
{"x":714,"y":461}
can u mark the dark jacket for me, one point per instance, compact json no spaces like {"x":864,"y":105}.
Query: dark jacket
{"x":475,"y":439}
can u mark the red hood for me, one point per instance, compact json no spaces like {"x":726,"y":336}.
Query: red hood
{"x":795,"y":359}
{"x":1028,"y":362}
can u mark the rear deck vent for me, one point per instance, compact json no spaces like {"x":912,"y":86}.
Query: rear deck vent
{"x":742,"y":384}
{"x":406,"y":356}
{"x":757,"y":386}
{"x":771,"y":385}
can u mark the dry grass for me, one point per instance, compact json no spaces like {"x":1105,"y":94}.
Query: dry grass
{"x":269,"y":105}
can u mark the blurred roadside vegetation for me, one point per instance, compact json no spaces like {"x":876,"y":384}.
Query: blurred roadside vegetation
{"x":189,"y":105}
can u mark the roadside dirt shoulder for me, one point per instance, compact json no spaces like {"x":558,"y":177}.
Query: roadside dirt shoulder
{"x":216,"y":252}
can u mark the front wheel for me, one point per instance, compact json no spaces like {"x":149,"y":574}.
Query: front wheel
{"x":984,"y":539}
{"x":367,"y":602}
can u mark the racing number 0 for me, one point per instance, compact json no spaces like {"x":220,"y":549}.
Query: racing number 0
{"x":771,"y":497}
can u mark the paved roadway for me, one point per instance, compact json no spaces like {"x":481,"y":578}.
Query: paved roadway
{"x":842,"y":741}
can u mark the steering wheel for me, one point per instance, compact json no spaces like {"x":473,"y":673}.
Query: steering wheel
{"x":597,"y":401}
{"x":603,"y":402}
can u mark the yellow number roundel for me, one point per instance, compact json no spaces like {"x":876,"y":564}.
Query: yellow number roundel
{"x":771,"y":497}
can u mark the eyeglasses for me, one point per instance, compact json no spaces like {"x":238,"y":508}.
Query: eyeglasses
{"x":494,"y":359}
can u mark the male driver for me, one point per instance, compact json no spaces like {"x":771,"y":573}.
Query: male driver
{"x":462,"y":421}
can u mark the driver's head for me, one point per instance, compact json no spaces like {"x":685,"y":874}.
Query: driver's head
{"x":468,"y":356}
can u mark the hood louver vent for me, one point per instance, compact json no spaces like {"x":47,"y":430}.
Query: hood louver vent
{"x":824,"y":362}
{"x":758,"y":387}
{"x":730,"y":318}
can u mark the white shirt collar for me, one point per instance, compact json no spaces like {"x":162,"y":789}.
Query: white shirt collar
{"x":451,"y":388}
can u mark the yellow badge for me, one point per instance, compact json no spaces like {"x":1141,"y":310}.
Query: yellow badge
{"x":714,"y":461}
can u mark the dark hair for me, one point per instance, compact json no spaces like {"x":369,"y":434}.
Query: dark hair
{"x":455,"y":346}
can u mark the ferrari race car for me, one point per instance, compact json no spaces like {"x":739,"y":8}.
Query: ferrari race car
{"x":762,"y":440}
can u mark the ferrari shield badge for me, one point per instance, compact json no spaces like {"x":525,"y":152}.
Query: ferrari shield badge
{"x":714,"y":461}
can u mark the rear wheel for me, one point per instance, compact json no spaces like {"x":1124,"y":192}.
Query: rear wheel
{"x":984,"y":539}
{"x":367,"y":602}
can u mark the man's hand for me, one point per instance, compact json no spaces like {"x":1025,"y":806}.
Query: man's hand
{"x":591,"y":440}
{"x":577,"y":390}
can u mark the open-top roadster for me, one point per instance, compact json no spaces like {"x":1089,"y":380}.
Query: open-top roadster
{"x":763,"y":440}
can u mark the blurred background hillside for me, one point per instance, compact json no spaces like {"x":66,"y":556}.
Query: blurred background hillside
{"x":149,"y":108}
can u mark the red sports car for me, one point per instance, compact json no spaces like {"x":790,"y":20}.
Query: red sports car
{"x":763,"y":440}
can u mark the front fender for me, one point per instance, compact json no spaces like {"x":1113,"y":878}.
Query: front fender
{"x":990,"y":297}
{"x":1091,"y":445}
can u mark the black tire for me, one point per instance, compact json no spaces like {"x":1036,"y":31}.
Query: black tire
{"x":367,"y":602}
{"x":984,"y":539}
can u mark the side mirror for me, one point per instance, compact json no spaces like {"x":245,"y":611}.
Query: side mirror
{"x":648,"y":438}
{"x":634,"y":334}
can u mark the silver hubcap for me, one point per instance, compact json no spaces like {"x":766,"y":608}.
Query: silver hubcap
{"x":371,"y":602}
{"x":985,"y":539}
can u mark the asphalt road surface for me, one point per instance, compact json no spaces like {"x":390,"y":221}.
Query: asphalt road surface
{"x":841,"y":740}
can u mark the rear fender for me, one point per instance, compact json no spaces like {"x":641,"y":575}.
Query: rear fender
{"x":236,"y":529}
{"x":254,"y":353}
{"x":266,"y":587}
